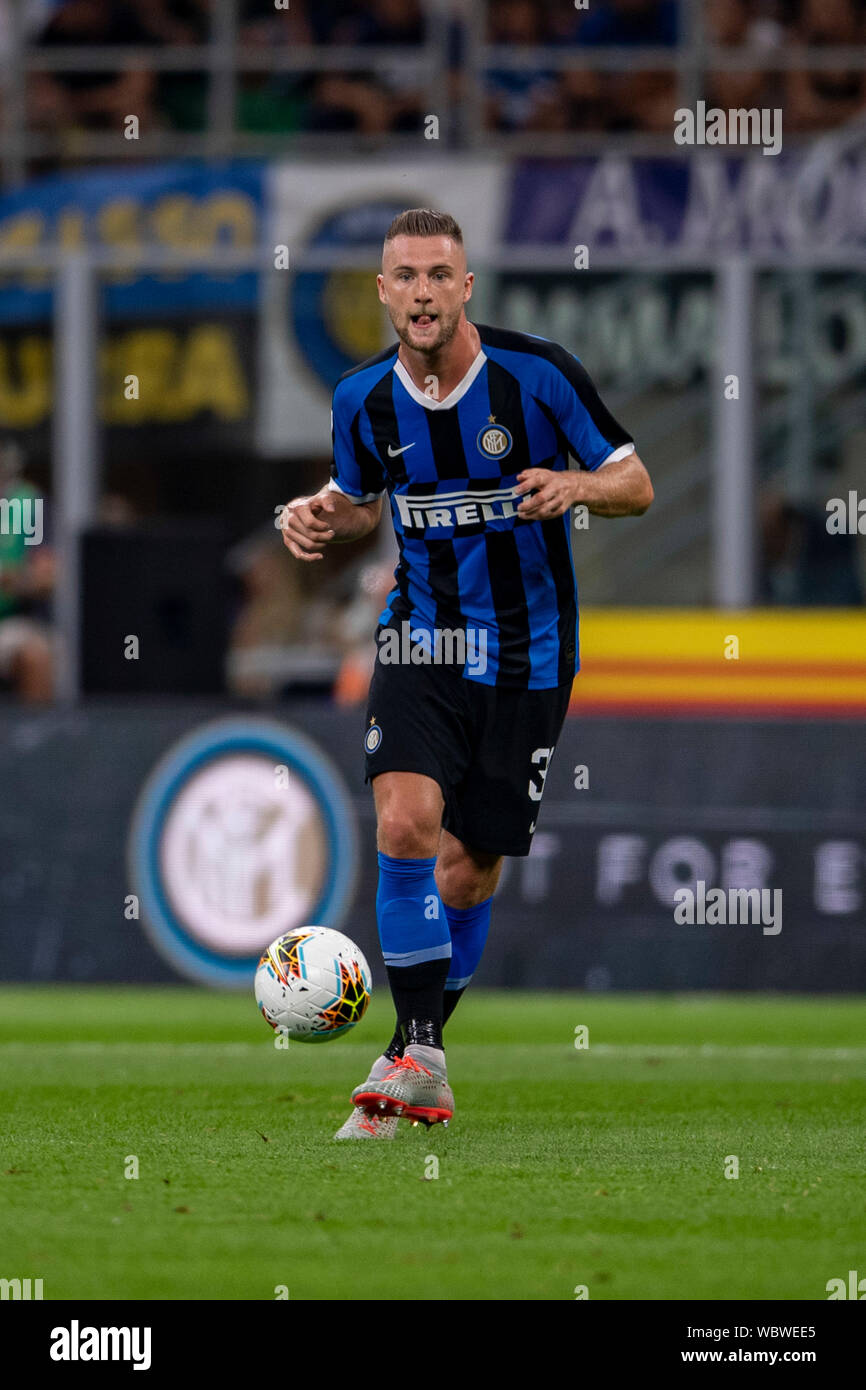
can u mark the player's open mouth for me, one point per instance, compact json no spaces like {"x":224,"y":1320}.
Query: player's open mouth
{"x":423,"y":320}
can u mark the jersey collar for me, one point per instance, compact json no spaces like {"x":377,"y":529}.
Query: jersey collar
{"x":453,"y":396}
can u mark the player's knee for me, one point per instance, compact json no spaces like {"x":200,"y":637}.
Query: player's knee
{"x":404,"y":834}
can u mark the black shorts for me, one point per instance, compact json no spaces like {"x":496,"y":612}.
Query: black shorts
{"x":487,"y":747}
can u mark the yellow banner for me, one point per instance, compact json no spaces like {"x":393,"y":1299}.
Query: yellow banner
{"x":773,"y":661}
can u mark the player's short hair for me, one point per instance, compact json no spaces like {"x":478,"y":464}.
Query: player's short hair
{"x":424,"y":222}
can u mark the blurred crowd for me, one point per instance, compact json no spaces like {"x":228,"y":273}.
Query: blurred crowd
{"x":586,"y":99}
{"x":392,"y":96}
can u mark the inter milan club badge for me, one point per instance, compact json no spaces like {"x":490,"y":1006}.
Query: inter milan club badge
{"x":494,"y":441}
{"x":373,"y":737}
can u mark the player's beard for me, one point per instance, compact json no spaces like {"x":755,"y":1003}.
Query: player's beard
{"x":447,"y":324}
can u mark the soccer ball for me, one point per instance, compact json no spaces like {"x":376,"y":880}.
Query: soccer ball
{"x":312,"y":984}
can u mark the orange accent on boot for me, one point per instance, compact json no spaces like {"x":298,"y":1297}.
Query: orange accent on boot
{"x":405,"y":1064}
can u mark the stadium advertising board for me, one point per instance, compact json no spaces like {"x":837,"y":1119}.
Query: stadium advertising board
{"x":187,"y":340}
{"x":634,"y":811}
{"x":693,"y":204}
{"x":317,"y":324}
{"x":658,"y":329}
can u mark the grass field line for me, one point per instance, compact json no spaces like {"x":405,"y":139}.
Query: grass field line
{"x":757,"y":1051}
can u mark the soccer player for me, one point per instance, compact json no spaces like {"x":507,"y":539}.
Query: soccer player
{"x":468,"y":429}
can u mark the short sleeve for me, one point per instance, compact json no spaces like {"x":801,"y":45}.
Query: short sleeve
{"x":356,"y":471}
{"x":594,"y":437}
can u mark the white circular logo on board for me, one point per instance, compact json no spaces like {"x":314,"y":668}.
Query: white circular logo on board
{"x":243,"y":853}
{"x":243,"y":830}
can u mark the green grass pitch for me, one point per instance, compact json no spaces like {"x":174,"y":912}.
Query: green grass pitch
{"x":563,"y":1167}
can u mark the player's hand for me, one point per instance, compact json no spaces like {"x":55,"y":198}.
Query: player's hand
{"x":306,"y":525}
{"x":552,"y":493}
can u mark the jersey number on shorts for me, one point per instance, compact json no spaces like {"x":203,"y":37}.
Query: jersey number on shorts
{"x":542,"y":757}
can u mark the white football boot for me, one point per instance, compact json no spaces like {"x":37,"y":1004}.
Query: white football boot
{"x":363,"y":1124}
{"x":407,"y":1088}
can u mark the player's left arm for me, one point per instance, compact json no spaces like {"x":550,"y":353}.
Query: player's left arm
{"x":619,"y":488}
{"x":611,"y":479}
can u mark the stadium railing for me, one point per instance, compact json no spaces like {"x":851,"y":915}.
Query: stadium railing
{"x":224,"y":59}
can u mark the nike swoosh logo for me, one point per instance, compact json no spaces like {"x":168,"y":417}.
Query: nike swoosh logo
{"x":392,"y":453}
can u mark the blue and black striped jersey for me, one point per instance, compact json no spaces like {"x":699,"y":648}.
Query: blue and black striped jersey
{"x":467,"y":561}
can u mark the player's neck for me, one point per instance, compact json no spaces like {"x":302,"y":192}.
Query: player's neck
{"x":449,"y":365}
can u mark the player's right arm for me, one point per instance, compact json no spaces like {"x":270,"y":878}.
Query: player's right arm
{"x":350,"y":505}
{"x":327,"y":518}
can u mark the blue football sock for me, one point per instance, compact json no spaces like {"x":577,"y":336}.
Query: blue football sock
{"x":469,"y":927}
{"x":413,"y":927}
{"x":416,"y":946}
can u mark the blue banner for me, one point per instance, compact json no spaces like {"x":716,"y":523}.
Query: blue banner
{"x":181,"y":206}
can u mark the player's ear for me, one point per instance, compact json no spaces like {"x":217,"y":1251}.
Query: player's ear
{"x":467,"y":285}
{"x":380,"y":286}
